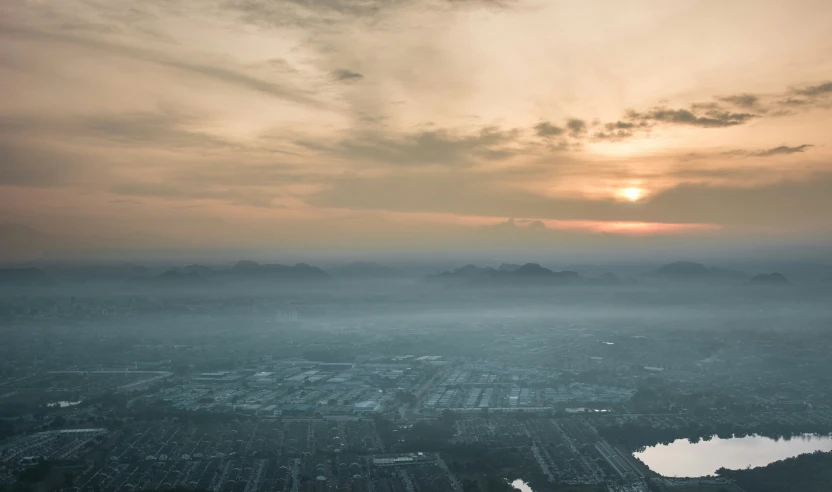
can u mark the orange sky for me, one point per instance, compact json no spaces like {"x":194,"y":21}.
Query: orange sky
{"x":302,"y":124}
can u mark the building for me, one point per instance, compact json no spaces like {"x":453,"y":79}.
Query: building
{"x":367,"y":407}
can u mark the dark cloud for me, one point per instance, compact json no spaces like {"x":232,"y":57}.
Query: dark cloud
{"x":805,"y":97}
{"x":714,"y":118}
{"x":508,"y":224}
{"x":513,"y":223}
{"x":347,"y":75}
{"x":185,"y":191}
{"x":823,"y":89}
{"x":613,"y":136}
{"x":620,"y":125}
{"x":546,"y":129}
{"x":498,"y":4}
{"x":783,"y":149}
{"x":425,"y":147}
{"x":576,"y":127}
{"x":793,"y":101}
{"x":618,"y":130}
{"x":329,"y":12}
{"x":219,"y":73}
{"x":163,"y":128}
{"x":711,"y":114}
{"x":741,"y":100}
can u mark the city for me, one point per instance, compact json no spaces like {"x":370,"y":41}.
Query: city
{"x":374,"y":386}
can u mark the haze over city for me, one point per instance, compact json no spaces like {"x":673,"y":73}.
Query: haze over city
{"x":415,"y":246}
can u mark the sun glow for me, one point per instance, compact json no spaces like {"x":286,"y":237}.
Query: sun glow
{"x":631,"y":194}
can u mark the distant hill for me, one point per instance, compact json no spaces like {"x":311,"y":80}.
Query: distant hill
{"x":22,"y":275}
{"x":364,"y":269}
{"x":683,"y":268}
{"x":769,"y":279}
{"x":462,"y":274}
{"x":690,"y":270}
{"x":276,"y":271}
{"x":172,"y":276}
{"x":196,"y":268}
{"x":606,"y":279}
{"x":530,"y":273}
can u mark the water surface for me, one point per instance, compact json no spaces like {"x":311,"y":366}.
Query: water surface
{"x":682,"y":458}
{"x":522,"y":486}
{"x":64,"y":404}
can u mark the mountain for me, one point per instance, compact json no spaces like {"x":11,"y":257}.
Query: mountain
{"x":690,"y":270}
{"x":20,"y":276}
{"x":199,"y":269}
{"x":276,"y":271}
{"x":769,"y":279}
{"x":364,"y":269}
{"x":682,"y":268}
{"x":171,"y":279}
{"x":606,"y":279}
{"x":246,"y":266}
{"x":462,"y":274}
{"x":172,"y":276}
{"x":533,"y":273}
{"x":529,"y":273}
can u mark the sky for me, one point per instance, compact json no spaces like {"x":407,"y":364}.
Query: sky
{"x":413,"y":125}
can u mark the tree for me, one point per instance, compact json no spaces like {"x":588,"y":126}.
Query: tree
{"x":69,"y":478}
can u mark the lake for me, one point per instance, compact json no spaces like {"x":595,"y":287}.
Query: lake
{"x":682,"y":458}
{"x":64,"y":404}
{"x":522,"y":486}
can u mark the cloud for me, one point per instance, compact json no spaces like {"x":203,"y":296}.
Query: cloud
{"x":165,"y":127}
{"x":783,"y":149}
{"x":713,"y":118}
{"x":513,"y":224}
{"x":179,"y":191}
{"x":347,"y":75}
{"x":618,"y":130}
{"x":327,"y":13}
{"x":546,"y":129}
{"x":225,"y":74}
{"x":711,"y":114}
{"x":818,"y":90}
{"x":742,"y":100}
{"x":443,"y":147}
{"x":576,"y":126}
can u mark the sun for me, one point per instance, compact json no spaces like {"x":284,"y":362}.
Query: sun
{"x":631,"y":194}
